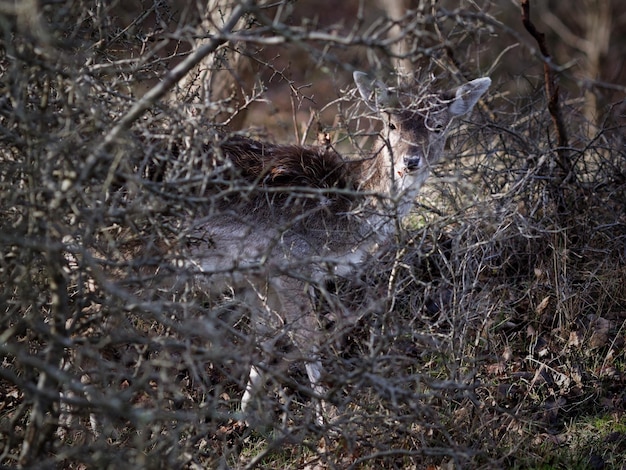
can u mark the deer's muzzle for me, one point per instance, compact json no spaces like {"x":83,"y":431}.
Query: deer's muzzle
{"x":412,"y":163}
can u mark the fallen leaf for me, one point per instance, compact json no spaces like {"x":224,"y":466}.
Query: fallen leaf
{"x":600,"y":331}
{"x":575,"y":339}
{"x":507,"y":354}
{"x":496,"y":369}
{"x":542,"y":305}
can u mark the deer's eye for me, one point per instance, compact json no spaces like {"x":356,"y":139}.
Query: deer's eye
{"x":438,"y":128}
{"x":392,"y":126}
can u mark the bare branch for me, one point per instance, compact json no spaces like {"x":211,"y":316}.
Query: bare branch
{"x":552,"y":89}
{"x":158,"y":91}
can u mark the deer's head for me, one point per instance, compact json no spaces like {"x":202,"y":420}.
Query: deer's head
{"x":417,"y":122}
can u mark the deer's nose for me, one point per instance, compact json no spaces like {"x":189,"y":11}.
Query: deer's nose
{"x":412,"y":162}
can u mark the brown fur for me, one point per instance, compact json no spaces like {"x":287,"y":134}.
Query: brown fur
{"x":284,"y":182}
{"x":288,"y":165}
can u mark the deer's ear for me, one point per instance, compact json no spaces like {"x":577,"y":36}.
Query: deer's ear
{"x":466,"y":96}
{"x":375,"y":93}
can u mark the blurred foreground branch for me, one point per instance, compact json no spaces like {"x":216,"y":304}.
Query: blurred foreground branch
{"x":168,"y":81}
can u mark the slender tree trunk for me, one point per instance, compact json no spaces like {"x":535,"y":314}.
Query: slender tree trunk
{"x":598,"y":23}
{"x":217,"y":83}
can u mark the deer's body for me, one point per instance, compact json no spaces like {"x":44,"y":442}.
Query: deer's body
{"x":314,"y":213}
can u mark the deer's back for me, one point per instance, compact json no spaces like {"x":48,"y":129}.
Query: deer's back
{"x":293,"y":204}
{"x":302,"y":187}
{"x":288,"y":165}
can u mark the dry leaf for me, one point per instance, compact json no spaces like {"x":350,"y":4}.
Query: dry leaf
{"x":496,"y":369}
{"x":542,"y":305}
{"x":600,"y":331}
{"x":575,"y":339}
{"x":507,"y":354}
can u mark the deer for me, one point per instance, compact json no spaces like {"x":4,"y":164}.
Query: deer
{"x":315,"y":213}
